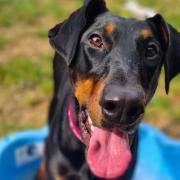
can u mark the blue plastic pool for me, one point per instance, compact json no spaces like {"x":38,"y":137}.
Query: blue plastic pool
{"x":158,"y":156}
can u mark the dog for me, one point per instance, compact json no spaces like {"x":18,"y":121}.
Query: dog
{"x":106,"y":70}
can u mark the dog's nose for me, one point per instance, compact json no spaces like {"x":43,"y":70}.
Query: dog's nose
{"x":121,"y":105}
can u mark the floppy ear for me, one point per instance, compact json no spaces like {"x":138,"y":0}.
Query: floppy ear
{"x":65,"y":36}
{"x":170,"y":41}
{"x":172,"y":60}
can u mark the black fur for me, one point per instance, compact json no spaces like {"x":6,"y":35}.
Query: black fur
{"x":124,"y":63}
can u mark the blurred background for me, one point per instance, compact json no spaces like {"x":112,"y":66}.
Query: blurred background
{"x":26,"y":61}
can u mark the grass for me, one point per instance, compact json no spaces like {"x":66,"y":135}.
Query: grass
{"x":22,"y":72}
{"x":168,"y":9}
{"x":19,"y":10}
{"x":3,"y":42}
{"x":26,"y":66}
{"x":9,"y":127}
{"x":30,"y":11}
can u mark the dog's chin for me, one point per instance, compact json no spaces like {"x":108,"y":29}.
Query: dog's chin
{"x":108,"y":151}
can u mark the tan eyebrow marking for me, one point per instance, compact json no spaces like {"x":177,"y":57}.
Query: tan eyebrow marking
{"x":108,"y":28}
{"x":145,"y":33}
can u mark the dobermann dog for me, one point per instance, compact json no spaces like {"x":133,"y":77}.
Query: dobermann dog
{"x":106,"y":70}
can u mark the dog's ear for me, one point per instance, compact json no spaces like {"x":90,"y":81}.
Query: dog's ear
{"x":170,"y":42}
{"x":172,"y":61}
{"x":65,"y":36}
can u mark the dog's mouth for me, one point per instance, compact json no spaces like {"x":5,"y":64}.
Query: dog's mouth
{"x":108,"y":151}
{"x":86,"y":126}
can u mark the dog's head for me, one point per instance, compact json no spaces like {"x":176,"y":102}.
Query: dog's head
{"x":114,"y":65}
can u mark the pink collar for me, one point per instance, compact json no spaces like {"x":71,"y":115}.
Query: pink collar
{"x":72,"y":123}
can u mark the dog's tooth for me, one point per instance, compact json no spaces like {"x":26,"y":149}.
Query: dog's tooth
{"x":131,"y":132}
{"x":89,"y":120}
{"x":92,"y":128}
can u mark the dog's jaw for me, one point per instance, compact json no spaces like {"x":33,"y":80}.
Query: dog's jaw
{"x":104,"y":147}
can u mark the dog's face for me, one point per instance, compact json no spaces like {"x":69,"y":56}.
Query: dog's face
{"x":116,"y":70}
{"x":114,"y":65}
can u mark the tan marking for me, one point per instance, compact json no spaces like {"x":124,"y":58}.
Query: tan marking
{"x":41,"y":174}
{"x":145,"y":33}
{"x":88,"y":93}
{"x":108,"y":28}
{"x":93,"y":106}
{"x":58,"y":177}
{"x":55,"y":173}
{"x":83,"y":89}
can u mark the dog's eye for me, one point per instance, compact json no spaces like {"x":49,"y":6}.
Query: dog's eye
{"x":151,"y":51}
{"x":96,"y":40}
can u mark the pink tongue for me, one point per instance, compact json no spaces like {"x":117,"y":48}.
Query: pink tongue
{"x":108,"y":154}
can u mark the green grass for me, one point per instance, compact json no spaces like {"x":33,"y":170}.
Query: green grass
{"x":9,"y":126}
{"x":42,"y":33}
{"x":30,"y":11}
{"x":21,"y":73}
{"x":4,"y":41}
{"x":162,"y":104}
{"x":117,"y":8}
{"x":167,"y":8}
{"x":19,"y":10}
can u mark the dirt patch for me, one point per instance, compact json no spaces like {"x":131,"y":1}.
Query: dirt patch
{"x":165,"y":124}
{"x":28,"y":47}
{"x":22,"y":108}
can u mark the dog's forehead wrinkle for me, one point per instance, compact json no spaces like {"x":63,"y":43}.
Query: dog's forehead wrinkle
{"x":123,"y":27}
{"x":108,"y":18}
{"x":104,"y":19}
{"x":134,"y":27}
